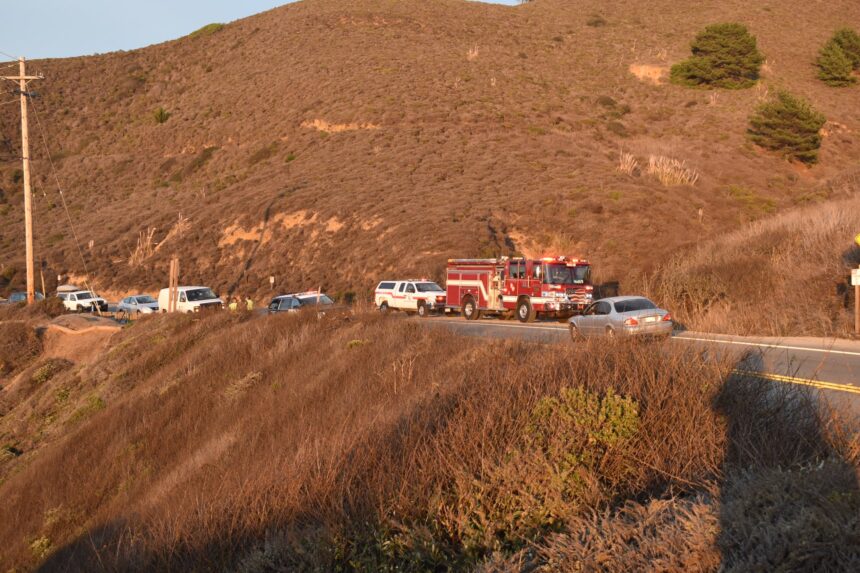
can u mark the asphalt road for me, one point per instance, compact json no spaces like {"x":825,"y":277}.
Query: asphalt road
{"x":830,"y":365}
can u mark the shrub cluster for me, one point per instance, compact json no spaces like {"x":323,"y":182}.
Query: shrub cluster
{"x":840,"y":58}
{"x":724,"y":56}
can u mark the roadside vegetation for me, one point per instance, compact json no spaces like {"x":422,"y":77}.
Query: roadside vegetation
{"x":376,"y":444}
{"x":839,"y":59}
{"x":788,"y":275}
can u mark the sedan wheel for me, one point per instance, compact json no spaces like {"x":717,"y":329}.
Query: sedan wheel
{"x":574,"y":333}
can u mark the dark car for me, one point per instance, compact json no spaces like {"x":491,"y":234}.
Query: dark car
{"x":22,"y":297}
{"x":303,"y":301}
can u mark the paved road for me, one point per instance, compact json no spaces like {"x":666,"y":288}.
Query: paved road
{"x":828,"y":364}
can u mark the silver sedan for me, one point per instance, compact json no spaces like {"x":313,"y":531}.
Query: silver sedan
{"x":621,"y":315}
{"x":138,"y":304}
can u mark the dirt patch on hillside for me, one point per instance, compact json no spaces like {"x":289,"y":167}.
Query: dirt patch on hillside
{"x":79,"y":339}
{"x":323,"y":125}
{"x":654,"y":74}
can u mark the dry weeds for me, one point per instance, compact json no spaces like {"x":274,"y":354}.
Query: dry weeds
{"x":279,"y":444}
{"x":670,"y":171}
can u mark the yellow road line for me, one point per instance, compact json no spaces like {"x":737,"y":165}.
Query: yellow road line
{"x":802,"y":381}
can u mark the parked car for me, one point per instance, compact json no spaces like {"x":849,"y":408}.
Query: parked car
{"x":22,"y":297}
{"x":138,"y":304}
{"x":303,"y":301}
{"x":191,"y":299}
{"x":416,"y":295}
{"x":622,"y":316}
{"x":83,"y":301}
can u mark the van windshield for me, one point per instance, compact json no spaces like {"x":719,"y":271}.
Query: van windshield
{"x":200,"y":294}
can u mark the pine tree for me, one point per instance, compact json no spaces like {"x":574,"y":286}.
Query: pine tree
{"x":724,"y":56}
{"x":788,"y":125}
{"x":834,"y":67}
{"x":849,"y":41}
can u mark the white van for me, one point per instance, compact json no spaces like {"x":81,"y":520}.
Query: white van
{"x":191,"y":299}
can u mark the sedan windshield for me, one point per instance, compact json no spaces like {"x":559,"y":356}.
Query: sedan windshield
{"x":428,"y":287}
{"x":312,"y":300}
{"x":565,"y":275}
{"x":634,"y":304}
{"x":146,"y":299}
{"x":200,"y":294}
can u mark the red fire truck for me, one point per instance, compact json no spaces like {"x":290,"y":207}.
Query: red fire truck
{"x":550,"y":286}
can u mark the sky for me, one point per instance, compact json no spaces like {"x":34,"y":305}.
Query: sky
{"x":63,"y":28}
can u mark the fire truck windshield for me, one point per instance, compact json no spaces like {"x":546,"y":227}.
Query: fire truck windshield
{"x":565,"y":275}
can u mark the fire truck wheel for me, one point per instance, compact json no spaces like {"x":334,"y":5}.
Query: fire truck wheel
{"x":525,"y":311}
{"x":422,"y":310}
{"x":470,"y":309}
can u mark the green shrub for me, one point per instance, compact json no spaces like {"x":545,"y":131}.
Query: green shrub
{"x":849,"y":41}
{"x":788,"y":125}
{"x":834,"y":67}
{"x":724,"y":56}
{"x":161,"y":115}
{"x":207,"y":30}
{"x":48,"y":370}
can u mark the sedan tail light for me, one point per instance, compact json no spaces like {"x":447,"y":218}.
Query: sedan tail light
{"x":631,"y":322}
{"x":667,"y":318}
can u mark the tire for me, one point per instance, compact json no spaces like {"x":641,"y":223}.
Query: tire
{"x":80,"y":309}
{"x":470,"y":309}
{"x":574,"y":333}
{"x":383,"y":308}
{"x":610,"y":333}
{"x":423,"y":311}
{"x":525,"y":311}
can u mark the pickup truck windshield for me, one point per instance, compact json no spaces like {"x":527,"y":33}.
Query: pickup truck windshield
{"x":199,"y":294}
{"x":428,"y":287}
{"x":86,"y":296}
{"x":565,"y":275}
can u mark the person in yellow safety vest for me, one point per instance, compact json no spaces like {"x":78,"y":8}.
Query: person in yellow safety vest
{"x":857,"y":239}
{"x":234,"y":304}
{"x":249,"y":304}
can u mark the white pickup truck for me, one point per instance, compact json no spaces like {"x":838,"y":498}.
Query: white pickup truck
{"x":420,"y":296}
{"x":82,"y":301}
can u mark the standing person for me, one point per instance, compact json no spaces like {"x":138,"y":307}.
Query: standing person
{"x":249,"y":304}
{"x":234,"y":304}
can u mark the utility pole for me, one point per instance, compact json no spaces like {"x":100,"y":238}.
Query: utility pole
{"x":23,"y":78}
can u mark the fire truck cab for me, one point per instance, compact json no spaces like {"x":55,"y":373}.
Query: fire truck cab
{"x":549,"y":286}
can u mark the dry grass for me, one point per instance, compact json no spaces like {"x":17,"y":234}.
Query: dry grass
{"x":669,"y":171}
{"x":279,"y":444}
{"x":144,"y":249}
{"x":788,"y":275}
{"x":627,"y":163}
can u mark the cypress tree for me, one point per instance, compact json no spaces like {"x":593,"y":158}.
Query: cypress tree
{"x":834,"y":67}
{"x":849,"y":41}
{"x":723,"y":56}
{"x":788,"y":125}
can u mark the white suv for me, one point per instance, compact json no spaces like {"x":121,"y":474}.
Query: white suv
{"x":421,"y":296}
{"x":191,"y":299}
{"x":83,"y":300}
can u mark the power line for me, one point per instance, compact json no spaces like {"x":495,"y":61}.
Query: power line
{"x":2,"y":53}
{"x":60,"y":190}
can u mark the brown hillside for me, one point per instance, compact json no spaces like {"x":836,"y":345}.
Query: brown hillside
{"x":335,"y":142}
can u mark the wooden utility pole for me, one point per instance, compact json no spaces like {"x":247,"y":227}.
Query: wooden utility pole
{"x":22,"y":80}
{"x":173,"y":285}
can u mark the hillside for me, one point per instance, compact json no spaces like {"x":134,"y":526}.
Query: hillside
{"x":333,"y":142}
{"x":234,"y":442}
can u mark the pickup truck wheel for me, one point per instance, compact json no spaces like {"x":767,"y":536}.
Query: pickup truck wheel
{"x":383,"y":308}
{"x":525,"y":311}
{"x":470,"y":309}
{"x":79,"y":309}
{"x":423,"y":311}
